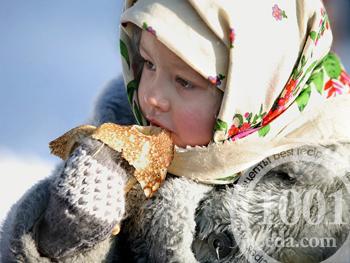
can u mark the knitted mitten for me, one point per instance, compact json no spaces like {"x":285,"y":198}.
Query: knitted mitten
{"x":86,"y":200}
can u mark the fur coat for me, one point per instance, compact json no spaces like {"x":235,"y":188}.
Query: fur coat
{"x":183,"y":222}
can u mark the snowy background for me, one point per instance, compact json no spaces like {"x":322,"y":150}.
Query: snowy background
{"x":54,"y":58}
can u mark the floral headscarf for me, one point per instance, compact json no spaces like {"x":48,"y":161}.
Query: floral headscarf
{"x":282,"y":87}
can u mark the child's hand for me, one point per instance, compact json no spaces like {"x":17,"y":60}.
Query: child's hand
{"x":87,"y":199}
{"x":148,"y":149}
{"x":87,"y":202}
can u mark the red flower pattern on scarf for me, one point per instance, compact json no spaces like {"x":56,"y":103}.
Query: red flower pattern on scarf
{"x":333,"y":88}
{"x":344,"y":78}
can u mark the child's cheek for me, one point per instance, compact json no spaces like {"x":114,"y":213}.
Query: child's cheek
{"x":193,"y":127}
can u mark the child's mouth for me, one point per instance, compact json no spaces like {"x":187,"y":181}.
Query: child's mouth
{"x":153,"y":122}
{"x":157,"y":125}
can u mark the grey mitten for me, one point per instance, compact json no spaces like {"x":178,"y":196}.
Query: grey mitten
{"x":87,"y":200}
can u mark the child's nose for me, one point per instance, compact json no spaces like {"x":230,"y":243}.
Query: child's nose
{"x":158,"y":92}
{"x":158,"y":102}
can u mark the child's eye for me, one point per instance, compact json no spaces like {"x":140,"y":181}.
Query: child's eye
{"x":184,"y":83}
{"x":149,"y":65}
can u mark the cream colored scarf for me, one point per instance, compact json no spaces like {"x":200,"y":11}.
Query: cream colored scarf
{"x":282,"y":88}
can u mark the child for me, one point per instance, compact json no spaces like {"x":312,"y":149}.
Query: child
{"x":236,"y":84}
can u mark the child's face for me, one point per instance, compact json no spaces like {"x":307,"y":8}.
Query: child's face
{"x":174,"y":96}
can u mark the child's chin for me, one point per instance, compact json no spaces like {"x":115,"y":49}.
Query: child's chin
{"x":177,"y":141}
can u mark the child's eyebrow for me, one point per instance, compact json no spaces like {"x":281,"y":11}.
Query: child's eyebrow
{"x":187,"y":72}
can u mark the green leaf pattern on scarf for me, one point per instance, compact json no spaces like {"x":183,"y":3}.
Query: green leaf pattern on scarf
{"x":264,"y":130}
{"x":332,"y":66}
{"x":313,"y":35}
{"x":124,"y":52}
{"x":324,"y":25}
{"x":317,"y":79}
{"x":303,"y":98}
{"x":137,"y":113}
{"x":220,"y":125}
{"x":131,"y":89}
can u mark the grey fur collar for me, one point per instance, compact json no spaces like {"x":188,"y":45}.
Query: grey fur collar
{"x":112,"y":105}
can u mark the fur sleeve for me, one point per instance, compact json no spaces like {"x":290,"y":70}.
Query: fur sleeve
{"x":18,"y":223}
{"x":18,"y":241}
